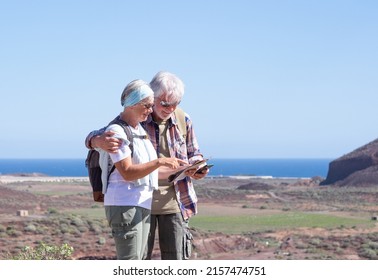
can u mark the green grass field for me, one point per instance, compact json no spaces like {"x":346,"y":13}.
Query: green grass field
{"x":272,"y":222}
{"x":260,"y":222}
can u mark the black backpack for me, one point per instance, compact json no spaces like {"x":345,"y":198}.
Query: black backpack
{"x":93,"y":165}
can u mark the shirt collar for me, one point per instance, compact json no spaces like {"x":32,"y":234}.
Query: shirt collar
{"x":171,"y":121}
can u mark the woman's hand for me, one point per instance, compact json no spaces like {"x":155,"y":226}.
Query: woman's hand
{"x":172,"y":163}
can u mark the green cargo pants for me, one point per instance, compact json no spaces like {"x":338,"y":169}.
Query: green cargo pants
{"x":130,"y":229}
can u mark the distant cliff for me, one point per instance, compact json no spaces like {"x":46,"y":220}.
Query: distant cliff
{"x":358,"y":168}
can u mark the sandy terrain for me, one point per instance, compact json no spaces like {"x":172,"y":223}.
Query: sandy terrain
{"x":58,"y":206}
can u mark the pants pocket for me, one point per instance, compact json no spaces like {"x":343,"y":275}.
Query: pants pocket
{"x":125,"y":234}
{"x":126,"y":243}
{"x":128,"y":216}
{"x":130,"y":235}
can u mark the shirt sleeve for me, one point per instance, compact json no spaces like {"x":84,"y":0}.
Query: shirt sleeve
{"x":193,"y":149}
{"x":91,"y":135}
{"x":124,"y":151}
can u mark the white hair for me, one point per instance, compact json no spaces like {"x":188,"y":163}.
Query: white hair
{"x":165,"y":83}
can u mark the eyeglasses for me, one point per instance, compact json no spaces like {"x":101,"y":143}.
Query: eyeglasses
{"x":148,"y":106}
{"x":168,"y":104}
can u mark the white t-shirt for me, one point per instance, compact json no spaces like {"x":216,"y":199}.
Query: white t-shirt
{"x":137,"y":193}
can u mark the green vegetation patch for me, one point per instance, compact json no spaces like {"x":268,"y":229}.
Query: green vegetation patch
{"x":96,"y":212}
{"x":58,"y":192}
{"x":261,"y":223}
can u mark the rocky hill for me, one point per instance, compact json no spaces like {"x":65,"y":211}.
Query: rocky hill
{"x":357,"y":168}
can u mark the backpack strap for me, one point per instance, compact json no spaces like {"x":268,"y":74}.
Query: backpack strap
{"x":128,"y":132}
{"x":181,"y":123}
{"x":129,"y":136}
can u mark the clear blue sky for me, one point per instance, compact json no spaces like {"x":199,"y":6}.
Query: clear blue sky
{"x":264,"y":79}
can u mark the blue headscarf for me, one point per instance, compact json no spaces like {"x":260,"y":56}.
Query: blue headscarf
{"x":137,"y":95}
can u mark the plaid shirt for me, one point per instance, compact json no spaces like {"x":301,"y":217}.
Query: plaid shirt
{"x":185,"y":149}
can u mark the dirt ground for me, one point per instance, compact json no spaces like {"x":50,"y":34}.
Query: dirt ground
{"x":48,"y":202}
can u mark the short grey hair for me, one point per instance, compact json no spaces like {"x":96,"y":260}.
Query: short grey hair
{"x":167,"y":83}
{"x":133,"y":85}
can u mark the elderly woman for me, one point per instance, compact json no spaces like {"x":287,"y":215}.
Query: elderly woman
{"x":130,"y":186}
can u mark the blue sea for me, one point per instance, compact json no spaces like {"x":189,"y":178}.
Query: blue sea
{"x":222,"y":167}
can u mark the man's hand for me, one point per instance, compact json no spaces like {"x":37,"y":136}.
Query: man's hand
{"x":196,"y":173}
{"x":107,"y":142}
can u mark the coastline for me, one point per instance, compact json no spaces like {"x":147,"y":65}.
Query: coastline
{"x":18,"y":178}
{"x":7,"y":179}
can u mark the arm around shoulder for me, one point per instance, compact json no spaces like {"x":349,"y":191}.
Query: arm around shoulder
{"x":95,"y":133}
